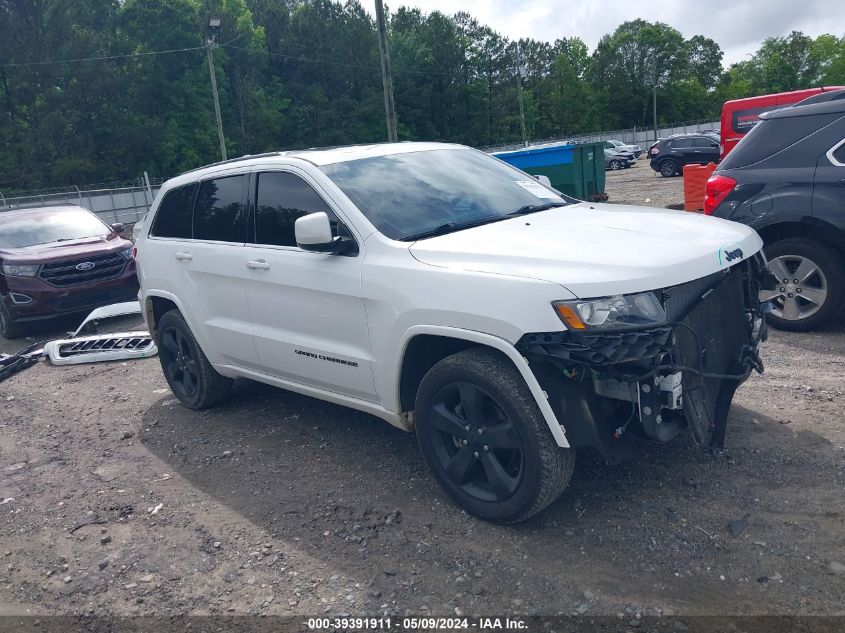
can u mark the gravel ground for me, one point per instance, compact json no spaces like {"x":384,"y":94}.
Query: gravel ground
{"x":641,"y":185}
{"x":116,"y":500}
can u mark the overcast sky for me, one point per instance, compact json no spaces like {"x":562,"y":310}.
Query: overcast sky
{"x":737,"y":25}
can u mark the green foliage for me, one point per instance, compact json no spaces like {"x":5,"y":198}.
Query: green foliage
{"x":304,"y":73}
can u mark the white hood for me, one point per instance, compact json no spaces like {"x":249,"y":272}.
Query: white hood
{"x":596,"y":250}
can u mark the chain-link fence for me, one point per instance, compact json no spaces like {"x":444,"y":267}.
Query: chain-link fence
{"x":124,"y":202}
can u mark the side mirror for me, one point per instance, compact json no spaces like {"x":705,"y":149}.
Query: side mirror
{"x":117,"y":227}
{"x":545,"y":180}
{"x":313,"y":233}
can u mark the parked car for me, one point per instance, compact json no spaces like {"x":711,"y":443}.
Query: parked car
{"x":449,"y":293}
{"x":59,"y":260}
{"x":669,"y":156}
{"x":614,"y":160}
{"x":739,"y":116}
{"x":785,"y":179}
{"x":619,"y":146}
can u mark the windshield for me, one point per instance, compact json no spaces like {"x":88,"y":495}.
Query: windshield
{"x":18,"y":230}
{"x":411,"y":194}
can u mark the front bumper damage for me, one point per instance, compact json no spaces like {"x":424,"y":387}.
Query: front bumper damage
{"x":613,"y":389}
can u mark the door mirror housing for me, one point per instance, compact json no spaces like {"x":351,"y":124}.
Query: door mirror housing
{"x":544,"y":179}
{"x":314,"y":233}
{"x":117,"y":227}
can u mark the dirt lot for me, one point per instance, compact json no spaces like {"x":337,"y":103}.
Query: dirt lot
{"x":640,"y":184}
{"x":117,"y":500}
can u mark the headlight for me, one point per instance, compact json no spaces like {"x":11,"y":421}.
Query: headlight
{"x":126,"y":253}
{"x":20,"y":270}
{"x":618,"y":311}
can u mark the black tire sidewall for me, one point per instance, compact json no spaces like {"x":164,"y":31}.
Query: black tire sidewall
{"x":530,"y":482}
{"x":8,"y":328}
{"x":665,"y":164}
{"x":832,"y":265}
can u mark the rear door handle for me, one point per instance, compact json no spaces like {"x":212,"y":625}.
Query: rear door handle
{"x":257,"y":264}
{"x":184,"y":257}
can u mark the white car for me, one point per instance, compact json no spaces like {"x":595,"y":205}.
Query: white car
{"x":441,"y":290}
{"x":635,"y":150}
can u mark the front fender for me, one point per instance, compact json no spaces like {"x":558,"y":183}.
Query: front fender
{"x":497,"y":343}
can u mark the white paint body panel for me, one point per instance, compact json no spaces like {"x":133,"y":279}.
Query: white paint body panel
{"x":595,"y":250}
{"x":490,"y":284}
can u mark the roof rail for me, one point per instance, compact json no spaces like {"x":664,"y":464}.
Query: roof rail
{"x":234,"y":160}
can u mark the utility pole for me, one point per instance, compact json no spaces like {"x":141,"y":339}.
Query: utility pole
{"x":386,"y":77}
{"x":520,"y":73}
{"x":213,"y":30}
{"x":654,"y":106}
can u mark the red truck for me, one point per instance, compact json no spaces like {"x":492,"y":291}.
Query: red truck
{"x":740,"y":115}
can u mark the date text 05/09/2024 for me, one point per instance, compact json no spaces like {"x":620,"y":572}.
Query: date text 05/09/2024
{"x":414,"y":624}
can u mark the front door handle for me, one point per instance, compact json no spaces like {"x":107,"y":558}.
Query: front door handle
{"x":257,"y":264}
{"x":842,"y":181}
{"x":184,"y":257}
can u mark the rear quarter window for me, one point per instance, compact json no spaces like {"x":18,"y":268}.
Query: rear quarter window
{"x":772,"y":136}
{"x":173,"y":218}
{"x":839,"y":154}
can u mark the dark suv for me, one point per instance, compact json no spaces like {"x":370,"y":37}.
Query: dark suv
{"x":669,"y":155}
{"x":59,"y":260}
{"x":786,"y":179}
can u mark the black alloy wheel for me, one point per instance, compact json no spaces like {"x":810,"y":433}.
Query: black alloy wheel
{"x":668,"y":168}
{"x":180,"y":365}
{"x":486,"y":441}
{"x":476,"y":443}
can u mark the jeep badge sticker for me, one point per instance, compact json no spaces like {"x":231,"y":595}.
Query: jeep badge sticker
{"x":729,"y":253}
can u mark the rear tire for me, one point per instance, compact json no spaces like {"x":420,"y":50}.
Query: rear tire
{"x":190,"y":376}
{"x":8,"y":328}
{"x":810,"y":285}
{"x":668,"y":168}
{"x":485,"y":440}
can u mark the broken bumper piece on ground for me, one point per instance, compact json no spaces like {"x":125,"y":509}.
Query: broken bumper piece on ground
{"x":92,"y":348}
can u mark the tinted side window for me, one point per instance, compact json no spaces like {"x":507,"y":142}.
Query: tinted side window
{"x":702,"y":141}
{"x":771,"y":136}
{"x":173,"y":218}
{"x":839,"y":154}
{"x":219,"y":212}
{"x":282,"y":198}
{"x":681,"y":143}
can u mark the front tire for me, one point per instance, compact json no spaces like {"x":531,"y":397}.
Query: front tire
{"x":485,"y":440}
{"x":615,"y":164}
{"x":668,"y":168}
{"x":8,"y":328}
{"x":810,"y":284}
{"x":190,"y":376}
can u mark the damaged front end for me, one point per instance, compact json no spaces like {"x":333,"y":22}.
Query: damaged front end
{"x":611,"y":388}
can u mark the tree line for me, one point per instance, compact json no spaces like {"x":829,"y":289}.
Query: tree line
{"x":101,"y":90}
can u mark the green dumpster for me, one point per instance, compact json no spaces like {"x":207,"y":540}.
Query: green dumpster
{"x":576,"y":170}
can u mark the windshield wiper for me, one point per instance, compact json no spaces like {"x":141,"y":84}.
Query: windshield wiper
{"x":534,"y":208}
{"x":451,"y":227}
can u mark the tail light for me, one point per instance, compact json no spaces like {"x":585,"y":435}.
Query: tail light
{"x":654,"y":151}
{"x":717,"y":189}
{"x":134,"y":252}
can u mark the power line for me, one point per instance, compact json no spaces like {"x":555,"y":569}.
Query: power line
{"x":92,"y":59}
{"x":298,"y":58}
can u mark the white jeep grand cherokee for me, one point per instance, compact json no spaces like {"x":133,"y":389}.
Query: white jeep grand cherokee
{"x":446,"y":292}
